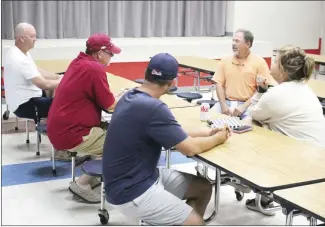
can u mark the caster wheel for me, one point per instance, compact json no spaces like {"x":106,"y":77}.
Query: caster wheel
{"x":5,"y":115}
{"x":27,"y":141}
{"x":54,"y":172}
{"x":16,"y":128}
{"x":103,"y":220}
{"x":37,"y":153}
{"x":103,"y":216}
{"x":239,"y":195}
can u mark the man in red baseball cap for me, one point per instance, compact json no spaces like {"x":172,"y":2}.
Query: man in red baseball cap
{"x":102,"y":42}
{"x":74,"y":120}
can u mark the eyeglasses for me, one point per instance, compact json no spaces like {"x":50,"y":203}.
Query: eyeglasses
{"x":109,"y":53}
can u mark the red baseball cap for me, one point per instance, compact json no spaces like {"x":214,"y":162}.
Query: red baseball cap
{"x":101,"y":41}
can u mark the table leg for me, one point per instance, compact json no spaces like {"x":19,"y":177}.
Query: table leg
{"x":216,"y":194}
{"x":176,"y":81}
{"x":313,"y":221}
{"x":320,"y":66}
{"x":289,"y":218}
{"x":205,"y":174}
{"x":198,"y":81}
{"x":194,"y":82}
{"x":217,"y":190}
{"x":268,"y":211}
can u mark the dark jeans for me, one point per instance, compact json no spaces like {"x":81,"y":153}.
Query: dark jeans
{"x":27,"y":109}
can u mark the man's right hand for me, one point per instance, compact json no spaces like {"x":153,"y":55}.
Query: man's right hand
{"x":225,"y":110}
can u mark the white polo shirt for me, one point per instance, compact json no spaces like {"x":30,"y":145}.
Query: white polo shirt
{"x":293,"y":109}
{"x":19,"y":69}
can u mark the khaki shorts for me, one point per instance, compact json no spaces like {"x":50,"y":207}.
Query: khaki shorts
{"x":92,"y":143}
{"x":162,"y":203}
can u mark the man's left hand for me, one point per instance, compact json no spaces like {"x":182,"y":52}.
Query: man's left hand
{"x":216,"y":130}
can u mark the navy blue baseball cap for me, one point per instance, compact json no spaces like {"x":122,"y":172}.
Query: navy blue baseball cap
{"x":163,"y":66}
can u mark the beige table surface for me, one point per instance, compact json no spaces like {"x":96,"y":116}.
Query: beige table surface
{"x":56,"y":65}
{"x":265,"y":159}
{"x":318,"y":58}
{"x":60,"y":65}
{"x":318,"y":86}
{"x":117,"y":83}
{"x":309,"y":199}
{"x":198,"y":63}
{"x":210,"y":65}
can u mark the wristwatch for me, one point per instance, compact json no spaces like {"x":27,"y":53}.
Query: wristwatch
{"x":263,"y":90}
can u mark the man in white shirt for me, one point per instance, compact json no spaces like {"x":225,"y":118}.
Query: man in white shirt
{"x":25,"y":83}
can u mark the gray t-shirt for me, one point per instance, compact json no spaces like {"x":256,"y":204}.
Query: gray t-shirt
{"x":140,"y":126}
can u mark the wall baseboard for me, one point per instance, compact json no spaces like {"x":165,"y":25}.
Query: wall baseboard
{"x":230,"y":34}
{"x":315,"y":51}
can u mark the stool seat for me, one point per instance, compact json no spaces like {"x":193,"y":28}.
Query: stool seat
{"x":172,"y":89}
{"x":189,"y":96}
{"x":208,"y":78}
{"x":139,"y":81}
{"x":41,"y":128}
{"x":210,"y":102}
{"x":92,"y":168}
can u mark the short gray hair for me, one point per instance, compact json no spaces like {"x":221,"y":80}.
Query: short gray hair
{"x":20,"y":29}
{"x":248,"y":36}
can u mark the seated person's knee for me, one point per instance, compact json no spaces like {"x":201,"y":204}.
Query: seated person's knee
{"x":194,"y":219}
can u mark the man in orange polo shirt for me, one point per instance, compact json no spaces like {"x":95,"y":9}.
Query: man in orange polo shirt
{"x":236,"y":76}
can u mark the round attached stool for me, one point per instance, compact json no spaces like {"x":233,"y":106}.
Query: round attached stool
{"x":139,"y":81}
{"x":94,"y":168}
{"x":210,"y":102}
{"x":189,"y":96}
{"x":172,"y":89}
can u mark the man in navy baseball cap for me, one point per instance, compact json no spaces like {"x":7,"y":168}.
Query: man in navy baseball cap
{"x":141,"y":125}
{"x":163,"y":67}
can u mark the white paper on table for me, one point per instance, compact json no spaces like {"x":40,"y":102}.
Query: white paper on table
{"x":106,"y":116}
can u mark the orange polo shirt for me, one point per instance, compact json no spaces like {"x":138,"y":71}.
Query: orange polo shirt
{"x":239,"y":79}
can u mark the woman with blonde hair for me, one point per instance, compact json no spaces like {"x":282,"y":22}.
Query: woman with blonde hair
{"x":291,"y":107}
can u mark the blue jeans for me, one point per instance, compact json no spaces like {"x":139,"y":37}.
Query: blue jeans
{"x":232,"y":105}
